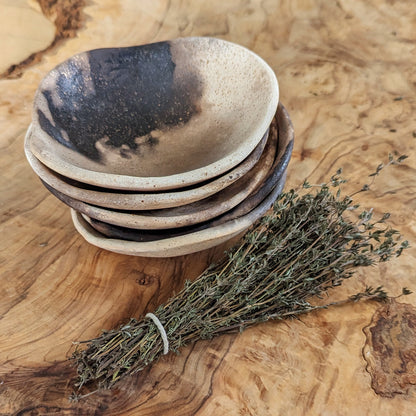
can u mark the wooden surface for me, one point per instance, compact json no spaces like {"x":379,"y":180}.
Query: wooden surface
{"x":347,"y":76}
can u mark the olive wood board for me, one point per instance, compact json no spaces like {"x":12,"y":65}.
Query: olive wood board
{"x":346,"y":72}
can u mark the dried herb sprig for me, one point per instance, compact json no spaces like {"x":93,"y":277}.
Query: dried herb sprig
{"x":307,"y":245}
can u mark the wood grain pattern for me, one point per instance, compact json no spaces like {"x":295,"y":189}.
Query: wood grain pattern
{"x":32,"y":28}
{"x":390,"y":349}
{"x":18,"y":32}
{"x":346,"y":72}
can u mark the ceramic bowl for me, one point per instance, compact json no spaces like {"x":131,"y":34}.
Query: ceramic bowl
{"x":128,"y":200}
{"x":130,"y":234}
{"x":277,"y":175}
{"x":275,"y":179}
{"x":189,"y":214}
{"x":153,"y":117}
{"x":177,"y":245}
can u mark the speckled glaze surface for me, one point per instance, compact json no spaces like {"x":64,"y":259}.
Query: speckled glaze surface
{"x":130,"y":234}
{"x":157,"y":116}
{"x":189,"y":214}
{"x":276,"y":179}
{"x":178,"y":245}
{"x":128,"y":200}
{"x":277,"y":174}
{"x":196,"y":212}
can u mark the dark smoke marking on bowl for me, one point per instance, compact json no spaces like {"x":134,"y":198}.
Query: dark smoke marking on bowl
{"x":128,"y":93}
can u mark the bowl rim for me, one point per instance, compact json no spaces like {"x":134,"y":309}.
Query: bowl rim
{"x":178,"y":245}
{"x":149,"y":200}
{"x":276,"y":177}
{"x":152,"y":183}
{"x":194,"y":213}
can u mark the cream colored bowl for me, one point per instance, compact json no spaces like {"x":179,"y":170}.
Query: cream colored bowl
{"x":153,"y":117}
{"x":275,"y":179}
{"x":175,"y":246}
{"x":128,"y":200}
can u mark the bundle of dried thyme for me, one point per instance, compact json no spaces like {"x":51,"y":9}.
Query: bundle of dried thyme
{"x":307,"y":245}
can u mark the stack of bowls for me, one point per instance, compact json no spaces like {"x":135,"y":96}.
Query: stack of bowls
{"x":162,"y":149}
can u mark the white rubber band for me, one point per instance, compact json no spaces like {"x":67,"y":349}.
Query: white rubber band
{"x":162,"y":331}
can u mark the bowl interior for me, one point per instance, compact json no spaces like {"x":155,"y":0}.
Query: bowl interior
{"x":156,"y":110}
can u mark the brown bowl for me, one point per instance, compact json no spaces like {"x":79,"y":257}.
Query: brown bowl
{"x":130,"y":234}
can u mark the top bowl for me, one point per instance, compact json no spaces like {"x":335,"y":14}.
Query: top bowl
{"x":153,"y":117}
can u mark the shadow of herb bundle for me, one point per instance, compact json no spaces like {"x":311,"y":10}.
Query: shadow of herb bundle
{"x":310,"y":243}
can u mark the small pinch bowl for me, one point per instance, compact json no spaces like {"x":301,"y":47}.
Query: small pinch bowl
{"x":175,"y":241}
{"x":127,"y":200}
{"x":178,"y":245}
{"x":188,"y":214}
{"x":130,"y":234}
{"x":153,"y":117}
